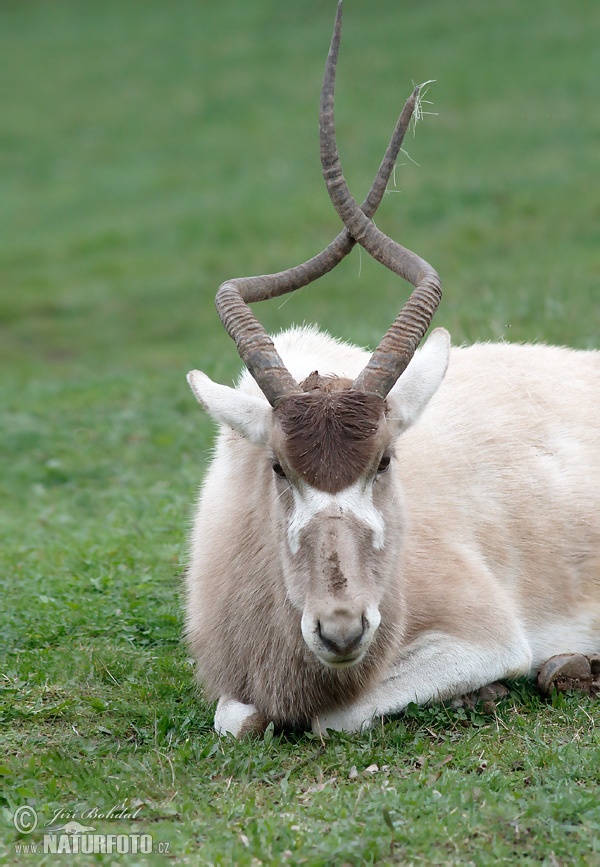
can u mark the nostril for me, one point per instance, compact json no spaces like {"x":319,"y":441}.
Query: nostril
{"x":325,"y":641}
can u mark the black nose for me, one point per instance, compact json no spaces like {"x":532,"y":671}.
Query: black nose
{"x":342,"y":641}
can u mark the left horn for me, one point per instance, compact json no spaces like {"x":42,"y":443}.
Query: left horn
{"x":399,"y":343}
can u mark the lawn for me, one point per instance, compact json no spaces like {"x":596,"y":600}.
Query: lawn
{"x":148,"y":151}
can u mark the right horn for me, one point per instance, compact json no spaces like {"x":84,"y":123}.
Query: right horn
{"x":400,"y":342}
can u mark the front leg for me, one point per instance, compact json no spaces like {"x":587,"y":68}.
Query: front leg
{"x":238,"y":719}
{"x":434,"y":667}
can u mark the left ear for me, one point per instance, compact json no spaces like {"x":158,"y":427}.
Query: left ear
{"x":420,"y":381}
{"x":250,"y":416}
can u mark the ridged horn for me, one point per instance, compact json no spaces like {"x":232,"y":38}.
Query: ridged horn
{"x":254,"y":345}
{"x":399,"y":343}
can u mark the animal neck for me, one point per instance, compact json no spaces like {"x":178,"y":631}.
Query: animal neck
{"x":292,"y":694}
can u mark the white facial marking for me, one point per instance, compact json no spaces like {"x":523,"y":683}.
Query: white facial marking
{"x":356,"y":500}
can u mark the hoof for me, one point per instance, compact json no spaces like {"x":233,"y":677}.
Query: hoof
{"x":488,"y":695}
{"x":570,"y":671}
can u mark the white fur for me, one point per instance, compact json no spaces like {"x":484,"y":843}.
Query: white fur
{"x":495,"y":485}
{"x":231,"y":715}
{"x":551,"y":637}
{"x":307,"y":349}
{"x":356,"y":500}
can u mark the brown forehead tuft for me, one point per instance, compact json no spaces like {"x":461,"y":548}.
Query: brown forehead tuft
{"x":330,"y":432}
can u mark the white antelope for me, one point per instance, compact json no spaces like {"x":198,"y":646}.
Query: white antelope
{"x":399,"y":527}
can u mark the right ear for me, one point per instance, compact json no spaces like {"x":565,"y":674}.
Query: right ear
{"x":250,"y":416}
{"x":420,"y":381}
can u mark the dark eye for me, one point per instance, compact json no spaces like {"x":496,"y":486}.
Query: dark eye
{"x":278,"y":469}
{"x":384,"y":464}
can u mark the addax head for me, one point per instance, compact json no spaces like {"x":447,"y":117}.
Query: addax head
{"x":327,"y":467}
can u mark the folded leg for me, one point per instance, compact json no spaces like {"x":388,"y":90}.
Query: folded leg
{"x":434,"y":667}
{"x":238,"y":719}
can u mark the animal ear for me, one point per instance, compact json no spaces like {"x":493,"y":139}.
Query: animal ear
{"x":250,"y":416}
{"x":420,"y":381}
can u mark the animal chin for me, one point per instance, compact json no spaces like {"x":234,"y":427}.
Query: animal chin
{"x":341,"y":661}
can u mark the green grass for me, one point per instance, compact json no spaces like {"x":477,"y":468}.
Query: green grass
{"x":147,"y":152}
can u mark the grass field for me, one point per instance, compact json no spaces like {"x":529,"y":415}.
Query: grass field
{"x":148,"y":151}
